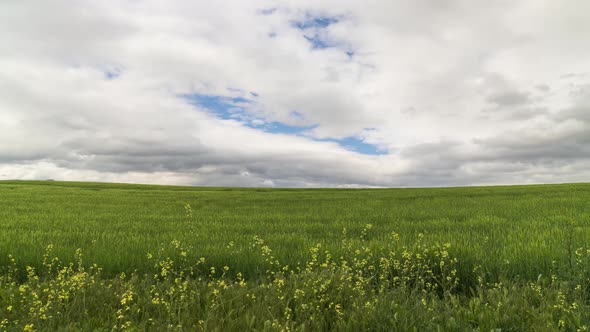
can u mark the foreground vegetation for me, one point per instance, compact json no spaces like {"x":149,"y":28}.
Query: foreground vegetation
{"x":83,"y":256}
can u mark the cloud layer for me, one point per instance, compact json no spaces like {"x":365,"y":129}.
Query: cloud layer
{"x":449,"y":93}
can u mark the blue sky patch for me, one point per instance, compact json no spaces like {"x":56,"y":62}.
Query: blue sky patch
{"x":223,"y":107}
{"x":112,"y":74}
{"x":310,"y":27}
{"x":234,"y":108}
{"x":317,"y":42}
{"x":355,"y":144}
{"x":315,"y":22}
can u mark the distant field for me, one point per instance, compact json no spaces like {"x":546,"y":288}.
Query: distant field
{"x":514,"y":230}
{"x":514,"y":235}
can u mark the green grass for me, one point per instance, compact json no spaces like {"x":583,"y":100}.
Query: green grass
{"x":514,"y":230}
{"x":515,"y":246}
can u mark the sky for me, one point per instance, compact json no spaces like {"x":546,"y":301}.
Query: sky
{"x":404,"y":93}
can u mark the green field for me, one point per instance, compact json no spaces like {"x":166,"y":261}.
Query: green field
{"x":512,"y":235}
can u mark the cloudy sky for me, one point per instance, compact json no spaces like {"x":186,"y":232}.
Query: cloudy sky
{"x":296,"y":93}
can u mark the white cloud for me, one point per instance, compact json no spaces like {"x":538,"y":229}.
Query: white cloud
{"x":450,"y":89}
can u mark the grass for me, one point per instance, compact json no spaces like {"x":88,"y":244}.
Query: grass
{"x":516,"y":230}
{"x":505,"y":239}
